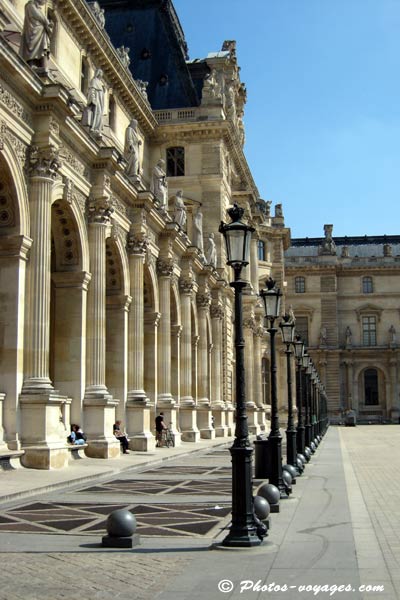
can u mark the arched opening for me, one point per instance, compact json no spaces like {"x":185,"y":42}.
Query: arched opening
{"x":372,"y":394}
{"x":371,"y":387}
{"x":117,"y":306}
{"x":67,"y":308}
{"x":13,"y":249}
{"x":151,"y":319}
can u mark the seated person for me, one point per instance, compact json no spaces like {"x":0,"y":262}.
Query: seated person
{"x":121,"y":436}
{"x":76,"y":437}
{"x":160,"y":427}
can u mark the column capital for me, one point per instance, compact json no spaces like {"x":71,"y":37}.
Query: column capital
{"x":136,"y":244}
{"x":100,"y":210}
{"x":203,"y":300}
{"x":44,"y":162}
{"x":250,"y":323}
{"x":217,"y":311}
{"x":187,"y":286}
{"x":165,"y":268}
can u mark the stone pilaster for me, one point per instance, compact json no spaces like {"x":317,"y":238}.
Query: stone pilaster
{"x":217,"y":403}
{"x":258,"y":395}
{"x":42,"y":433}
{"x":165,"y":401}
{"x":203,"y":406}
{"x":98,"y":402}
{"x":254,"y":264}
{"x":248,"y":331}
{"x":138,"y":405}
{"x":187,"y":411}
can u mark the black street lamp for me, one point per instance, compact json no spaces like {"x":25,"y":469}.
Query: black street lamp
{"x":288,"y":330}
{"x":307,"y":397}
{"x":271,"y":297}
{"x":299,"y":353}
{"x":243,"y":529}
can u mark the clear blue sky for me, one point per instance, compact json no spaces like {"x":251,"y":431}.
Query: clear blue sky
{"x":322,"y":114}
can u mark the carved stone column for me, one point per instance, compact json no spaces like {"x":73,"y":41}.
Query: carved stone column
{"x":138,"y":405}
{"x":203,"y":406}
{"x":187,"y":412}
{"x":42,"y":435}
{"x":165,"y":401}
{"x":98,"y":402}
{"x":254,"y":264}
{"x":248,"y":331}
{"x":258,"y":394}
{"x":217,"y":403}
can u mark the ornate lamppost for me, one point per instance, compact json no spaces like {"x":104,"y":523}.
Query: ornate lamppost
{"x":288,"y":330}
{"x":243,"y":529}
{"x":307,"y":397}
{"x":271,"y":297}
{"x":299,"y":353}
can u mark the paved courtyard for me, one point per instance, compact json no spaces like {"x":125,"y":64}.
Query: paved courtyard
{"x":340,"y":527}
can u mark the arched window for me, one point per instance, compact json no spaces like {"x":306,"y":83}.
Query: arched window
{"x":175,"y":161}
{"x":371,"y":387}
{"x":261,"y":250}
{"x":367,"y":286}
{"x":300,"y":285}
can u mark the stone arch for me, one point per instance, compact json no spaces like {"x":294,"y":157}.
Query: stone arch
{"x":14,"y":246}
{"x":15,"y":205}
{"x":69,"y":281}
{"x":117,"y":306}
{"x":366,"y":409}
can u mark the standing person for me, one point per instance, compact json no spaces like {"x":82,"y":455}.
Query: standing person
{"x":160,"y":427}
{"x":121,"y":436}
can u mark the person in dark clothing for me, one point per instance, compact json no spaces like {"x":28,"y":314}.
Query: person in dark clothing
{"x":160,"y":426}
{"x":121,"y":436}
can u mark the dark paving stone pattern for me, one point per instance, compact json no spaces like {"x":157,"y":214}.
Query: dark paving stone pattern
{"x":216,"y":487}
{"x":157,"y":520}
{"x":185,"y":469}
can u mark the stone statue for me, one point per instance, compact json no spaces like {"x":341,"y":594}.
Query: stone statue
{"x":211,"y":252}
{"x":230,"y":102}
{"x":159,"y":184}
{"x":35,"y":38}
{"x":349,"y":336}
{"x":93,"y":112}
{"x":143,"y":87}
{"x":211,"y":87}
{"x":323,"y":336}
{"x":180,"y":210}
{"x":132,"y":144}
{"x":328,"y":245}
{"x":123,"y":53}
{"x":392,"y":337}
{"x":98,"y":13}
{"x":197,"y":237}
{"x":278,"y":210}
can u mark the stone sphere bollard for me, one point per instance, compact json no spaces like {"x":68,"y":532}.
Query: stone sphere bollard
{"x":121,"y":525}
{"x":272,"y":495}
{"x":287,"y":480}
{"x":302,"y":458}
{"x":307,"y":453}
{"x":292,"y":470}
{"x":261,"y":507}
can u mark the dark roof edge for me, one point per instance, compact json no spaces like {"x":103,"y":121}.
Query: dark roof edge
{"x":348,"y":240}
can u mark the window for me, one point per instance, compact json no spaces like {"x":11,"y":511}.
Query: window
{"x":112,"y":117}
{"x":175,"y":161}
{"x":371,"y":387}
{"x":369,"y":331}
{"x":261,"y":250}
{"x":265,"y":371}
{"x":299,"y":285}
{"x":302,"y":328}
{"x":84,"y":75}
{"x":367,"y":286}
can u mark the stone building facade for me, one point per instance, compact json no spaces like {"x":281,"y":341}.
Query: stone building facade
{"x":114,"y":292}
{"x":344,"y":292}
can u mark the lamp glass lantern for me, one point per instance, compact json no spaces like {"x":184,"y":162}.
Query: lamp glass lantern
{"x":288,"y":330}
{"x":237,"y":237}
{"x":298,"y":348}
{"x":271,"y":297}
{"x":305,"y":360}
